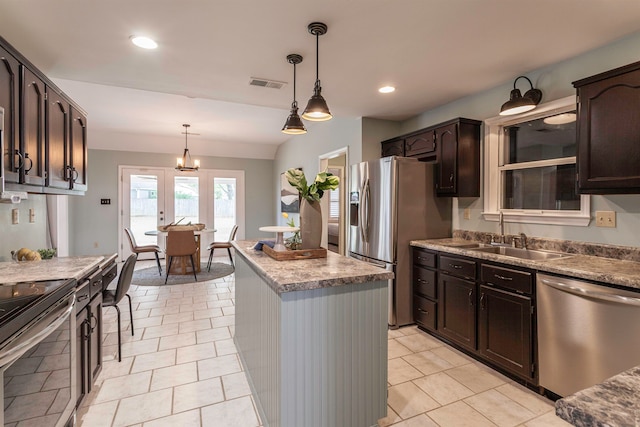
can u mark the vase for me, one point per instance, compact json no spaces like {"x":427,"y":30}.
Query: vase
{"x":310,"y":224}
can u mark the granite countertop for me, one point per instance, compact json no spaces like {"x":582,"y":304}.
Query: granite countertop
{"x":599,"y":269}
{"x":48,"y":269}
{"x":299,"y":275}
{"x":611,"y":403}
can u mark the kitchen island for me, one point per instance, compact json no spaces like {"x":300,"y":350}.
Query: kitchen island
{"x":312,"y":336}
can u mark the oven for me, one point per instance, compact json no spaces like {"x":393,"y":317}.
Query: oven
{"x":37,"y":353}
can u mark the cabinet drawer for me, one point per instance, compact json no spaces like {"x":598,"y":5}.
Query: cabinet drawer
{"x":83,"y":294}
{"x":108,"y":274}
{"x":420,"y":257}
{"x":424,"y":312}
{"x":458,"y":267}
{"x":95,"y":283}
{"x":424,"y":282}
{"x":422,"y":143}
{"x":519,"y":281}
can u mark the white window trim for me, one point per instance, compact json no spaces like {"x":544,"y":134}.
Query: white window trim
{"x":494,"y":163}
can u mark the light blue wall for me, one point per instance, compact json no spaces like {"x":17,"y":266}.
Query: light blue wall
{"x":94,"y":227}
{"x":24,"y":234}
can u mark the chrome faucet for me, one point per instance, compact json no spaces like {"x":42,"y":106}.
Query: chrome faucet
{"x":501,"y":224}
{"x":523,"y":241}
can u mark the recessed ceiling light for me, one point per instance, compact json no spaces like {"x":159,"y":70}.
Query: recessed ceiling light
{"x":143,"y":42}
{"x":560,"y":119}
{"x":386,"y":89}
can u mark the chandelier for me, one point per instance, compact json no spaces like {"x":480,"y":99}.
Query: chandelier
{"x":184,"y":163}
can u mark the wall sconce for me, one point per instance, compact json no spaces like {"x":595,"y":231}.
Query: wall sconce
{"x":518,"y":103}
{"x":317,"y":109}
{"x":184,"y":163}
{"x":293,"y":125}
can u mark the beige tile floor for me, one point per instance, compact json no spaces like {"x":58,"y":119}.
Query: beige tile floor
{"x":181,"y":369}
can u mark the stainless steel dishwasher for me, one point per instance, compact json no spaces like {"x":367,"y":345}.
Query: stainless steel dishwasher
{"x":586,"y":333}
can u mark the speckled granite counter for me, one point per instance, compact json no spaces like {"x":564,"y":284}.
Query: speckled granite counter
{"x":599,"y":269}
{"x":287,"y":276}
{"x":49,"y":269}
{"x":613,"y":403}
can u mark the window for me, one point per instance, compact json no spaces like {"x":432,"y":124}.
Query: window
{"x":530,"y":167}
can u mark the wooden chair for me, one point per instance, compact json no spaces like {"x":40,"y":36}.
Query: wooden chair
{"x":222,"y":245}
{"x":142,"y":249}
{"x":111,"y":298}
{"x":181,"y":243}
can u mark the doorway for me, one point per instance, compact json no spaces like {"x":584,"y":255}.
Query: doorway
{"x":150,"y":197}
{"x":334,"y":224}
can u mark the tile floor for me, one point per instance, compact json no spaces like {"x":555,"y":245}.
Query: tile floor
{"x":181,"y":369}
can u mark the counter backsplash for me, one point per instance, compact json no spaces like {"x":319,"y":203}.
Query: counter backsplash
{"x":627,"y":253}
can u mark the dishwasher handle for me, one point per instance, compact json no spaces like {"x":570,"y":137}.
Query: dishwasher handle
{"x":577,"y":290}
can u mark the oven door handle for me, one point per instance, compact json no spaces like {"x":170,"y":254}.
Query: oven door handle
{"x":48,"y":322}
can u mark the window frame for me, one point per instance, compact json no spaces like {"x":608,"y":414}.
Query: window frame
{"x":494,"y":154}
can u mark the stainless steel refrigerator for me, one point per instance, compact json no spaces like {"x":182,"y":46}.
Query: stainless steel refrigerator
{"x":392,"y":201}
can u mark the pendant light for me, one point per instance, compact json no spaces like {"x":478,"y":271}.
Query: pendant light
{"x":317,"y":109}
{"x":293,"y":125}
{"x":518,"y":103}
{"x":184,"y":163}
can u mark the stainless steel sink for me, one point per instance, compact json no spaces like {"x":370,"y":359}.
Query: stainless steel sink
{"x":532,"y":254}
{"x":465,"y":245}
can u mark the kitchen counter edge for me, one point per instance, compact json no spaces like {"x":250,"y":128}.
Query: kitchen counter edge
{"x":307,"y":274}
{"x":50,"y":269}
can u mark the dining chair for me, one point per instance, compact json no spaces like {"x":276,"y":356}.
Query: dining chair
{"x":181,"y":243}
{"x":143,"y":249}
{"x":222,"y":245}
{"x":112,"y":297}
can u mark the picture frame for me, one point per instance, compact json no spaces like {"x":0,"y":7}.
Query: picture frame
{"x":289,"y":196}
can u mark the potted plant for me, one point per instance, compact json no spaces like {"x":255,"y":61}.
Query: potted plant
{"x":310,"y":212}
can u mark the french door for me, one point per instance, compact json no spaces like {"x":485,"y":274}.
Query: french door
{"x":160,"y":196}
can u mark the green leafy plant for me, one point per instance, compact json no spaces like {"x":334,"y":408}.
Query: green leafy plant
{"x":324,"y":181}
{"x":47,"y":253}
{"x":294,"y":242}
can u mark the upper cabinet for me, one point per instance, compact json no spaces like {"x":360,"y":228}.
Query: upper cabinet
{"x":45,"y":145}
{"x":454,"y":146}
{"x":609,"y":132}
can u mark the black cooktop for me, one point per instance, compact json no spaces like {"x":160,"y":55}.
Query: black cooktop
{"x":22,"y":302}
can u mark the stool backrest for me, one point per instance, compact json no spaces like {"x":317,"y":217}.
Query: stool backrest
{"x":181,"y":243}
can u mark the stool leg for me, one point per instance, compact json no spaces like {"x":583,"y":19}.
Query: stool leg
{"x":130,"y":312}
{"x":210,"y":259}
{"x":119,"y":335}
{"x":193,"y":267}
{"x":168,"y":270}
{"x":158,"y":262}
{"x":230,"y":259}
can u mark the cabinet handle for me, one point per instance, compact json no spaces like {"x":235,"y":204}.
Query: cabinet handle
{"x":86,"y":328}
{"x":74,"y":174}
{"x":471,"y":297}
{"x":82,"y":297}
{"x":451,"y":178}
{"x":93,"y":328}
{"x":482,"y":301}
{"x":456,"y":266}
{"x":20,"y":159}
{"x":423,"y":311}
{"x":27,"y":169}
{"x":508,"y":279}
{"x":422,"y":258}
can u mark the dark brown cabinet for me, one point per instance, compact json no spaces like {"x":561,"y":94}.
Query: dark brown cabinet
{"x":57,"y":137}
{"x":9,"y":101}
{"x":609,"y":132}
{"x":33,"y":129}
{"x":78,"y":150}
{"x":457,"y":310}
{"x":424,"y":280}
{"x":454,"y":146}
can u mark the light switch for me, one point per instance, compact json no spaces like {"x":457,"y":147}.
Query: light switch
{"x":606,"y":219}
{"x":15,"y":216}
{"x":467,"y":213}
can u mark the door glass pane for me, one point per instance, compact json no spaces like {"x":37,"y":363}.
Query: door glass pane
{"x":185,"y":193}
{"x":545,"y":188}
{"x":143,"y":210}
{"x":224,"y":207}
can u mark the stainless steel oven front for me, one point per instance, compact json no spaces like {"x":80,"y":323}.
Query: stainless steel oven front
{"x":38,"y":369}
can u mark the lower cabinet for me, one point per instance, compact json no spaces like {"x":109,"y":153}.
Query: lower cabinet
{"x":487,"y":309}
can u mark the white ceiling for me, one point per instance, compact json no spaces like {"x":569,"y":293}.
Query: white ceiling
{"x":433,"y":51}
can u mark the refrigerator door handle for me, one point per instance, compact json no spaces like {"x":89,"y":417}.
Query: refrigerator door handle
{"x":364,"y":220}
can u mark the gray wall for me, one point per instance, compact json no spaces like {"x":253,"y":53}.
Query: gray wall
{"x":555,"y":82}
{"x":25,"y":234}
{"x":94,"y":227}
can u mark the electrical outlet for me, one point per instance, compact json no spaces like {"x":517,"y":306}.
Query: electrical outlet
{"x":15,"y":216}
{"x":32,"y":215}
{"x":95,"y":244}
{"x":606,"y":219}
{"x":467,"y":213}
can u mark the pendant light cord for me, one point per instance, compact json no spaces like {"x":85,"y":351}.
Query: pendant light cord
{"x":317,"y":57}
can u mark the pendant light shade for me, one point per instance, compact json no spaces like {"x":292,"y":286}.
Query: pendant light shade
{"x":184,"y":163}
{"x":294,"y":125}
{"x":519,"y":104}
{"x":317,"y":109}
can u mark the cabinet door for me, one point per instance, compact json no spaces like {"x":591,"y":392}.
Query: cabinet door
{"x":57,"y":134}
{"x":33,"y":105}
{"x":457,"y":310}
{"x":78,"y":150}
{"x":9,"y":91}
{"x":95,"y":340}
{"x":393,"y":148}
{"x":82,"y":354}
{"x":505,"y":335}
{"x":447,"y":141}
{"x":422,"y":145}
{"x":608,"y":129}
